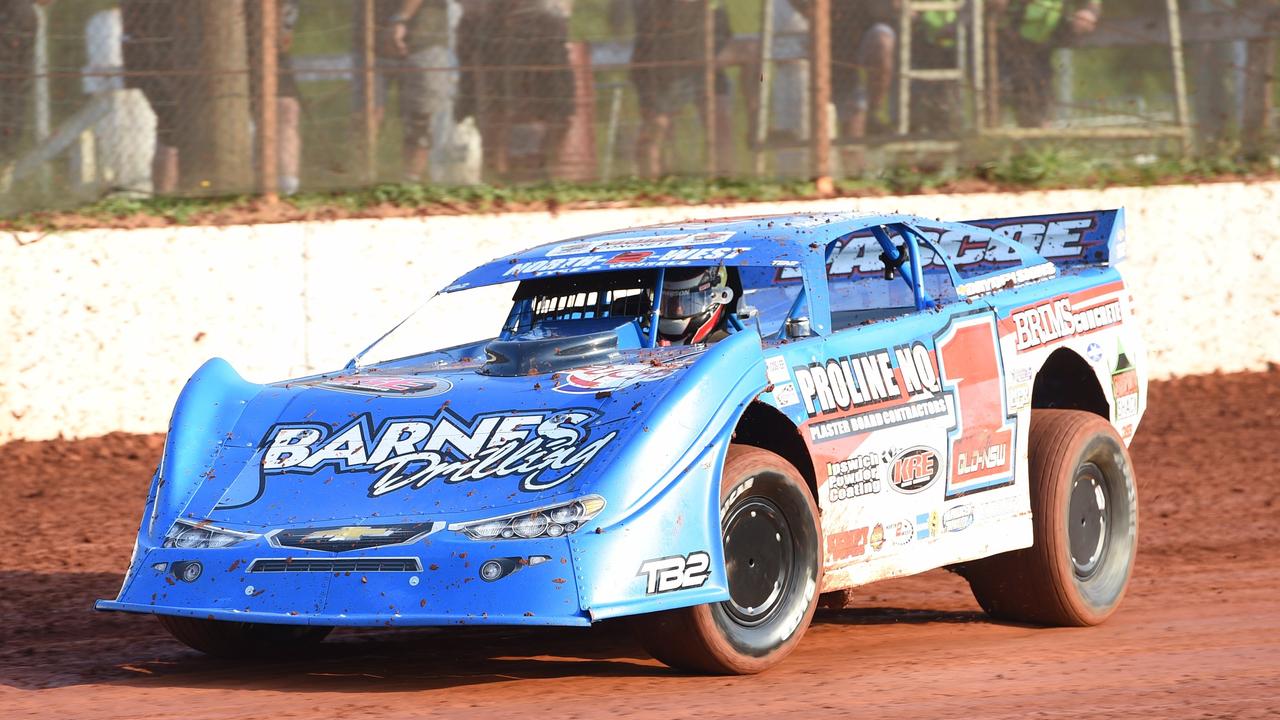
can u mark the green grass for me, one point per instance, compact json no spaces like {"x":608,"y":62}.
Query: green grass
{"x":1036,"y":169}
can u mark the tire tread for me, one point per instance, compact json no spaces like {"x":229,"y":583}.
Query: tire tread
{"x":1029,"y":585}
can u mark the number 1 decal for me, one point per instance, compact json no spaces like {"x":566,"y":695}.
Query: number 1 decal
{"x":981,"y":444}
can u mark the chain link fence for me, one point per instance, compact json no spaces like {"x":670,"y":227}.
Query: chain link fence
{"x":204,"y":97}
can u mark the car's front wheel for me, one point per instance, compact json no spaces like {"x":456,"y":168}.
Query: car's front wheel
{"x":772,"y":547}
{"x":242,"y":640}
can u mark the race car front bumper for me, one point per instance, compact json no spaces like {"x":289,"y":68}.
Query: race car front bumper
{"x":511,"y":582}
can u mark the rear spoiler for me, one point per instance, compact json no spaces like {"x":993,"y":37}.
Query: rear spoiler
{"x":1094,"y":237}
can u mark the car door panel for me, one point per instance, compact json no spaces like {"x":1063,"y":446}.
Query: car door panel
{"x":914,"y":444}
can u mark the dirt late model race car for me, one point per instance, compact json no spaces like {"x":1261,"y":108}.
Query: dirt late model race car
{"x":699,"y":426}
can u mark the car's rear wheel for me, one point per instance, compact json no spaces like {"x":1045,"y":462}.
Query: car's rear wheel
{"x":1084,"y":504}
{"x":229,"y":639}
{"x":772,"y":541}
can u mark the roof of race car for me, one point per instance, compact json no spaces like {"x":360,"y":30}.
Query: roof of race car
{"x":760,"y":240}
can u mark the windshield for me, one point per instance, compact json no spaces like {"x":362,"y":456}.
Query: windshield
{"x":581,"y":297}
{"x":457,"y":326}
{"x":453,"y":325}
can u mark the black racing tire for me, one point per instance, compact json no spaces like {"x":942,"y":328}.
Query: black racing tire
{"x":773,"y":559}
{"x":243,"y":640}
{"x":1084,"y":504}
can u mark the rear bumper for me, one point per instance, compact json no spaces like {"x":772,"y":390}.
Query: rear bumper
{"x":441,"y":586}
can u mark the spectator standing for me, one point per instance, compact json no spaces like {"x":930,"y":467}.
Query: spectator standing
{"x":1029,"y":32}
{"x":289,"y":97}
{"x":160,"y":48}
{"x":412,"y":51}
{"x":863,"y":47}
{"x":668,"y":74}
{"x":517,"y":77}
{"x":17,"y":64}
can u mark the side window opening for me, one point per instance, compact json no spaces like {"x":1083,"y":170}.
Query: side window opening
{"x":861,"y":290}
{"x":767,"y":296}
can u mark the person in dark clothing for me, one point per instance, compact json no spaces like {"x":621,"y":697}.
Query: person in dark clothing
{"x":668,"y":74}
{"x":411,"y":52}
{"x":161,"y":47}
{"x":17,"y":59}
{"x":863,"y":47}
{"x":514,"y":56}
{"x":1029,"y":32}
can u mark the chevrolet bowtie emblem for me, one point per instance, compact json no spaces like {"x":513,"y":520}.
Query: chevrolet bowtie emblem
{"x":347,"y":534}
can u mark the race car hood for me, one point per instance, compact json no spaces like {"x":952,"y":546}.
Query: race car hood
{"x":404,"y":443}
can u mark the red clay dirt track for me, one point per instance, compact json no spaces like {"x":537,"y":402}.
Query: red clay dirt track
{"x":1198,"y":635}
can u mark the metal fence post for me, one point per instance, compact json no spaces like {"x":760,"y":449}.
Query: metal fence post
{"x":709,"y":84}
{"x":42,"y":102}
{"x":368,"y":105}
{"x":819,"y":115}
{"x":1179,"y":75}
{"x":268,"y":151}
{"x":977,"y":21}
{"x":991,"y":60}
{"x":1260,"y":59}
{"x":766,"y":86}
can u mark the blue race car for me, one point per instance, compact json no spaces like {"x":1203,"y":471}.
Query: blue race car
{"x":700,"y":426}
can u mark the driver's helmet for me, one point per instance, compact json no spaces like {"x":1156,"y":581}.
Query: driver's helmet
{"x":693,"y":303}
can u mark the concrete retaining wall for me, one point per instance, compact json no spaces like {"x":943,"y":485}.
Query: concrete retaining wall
{"x":102,"y":327}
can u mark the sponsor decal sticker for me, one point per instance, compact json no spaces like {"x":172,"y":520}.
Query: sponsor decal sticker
{"x":1058,"y":320}
{"x":901,"y":532}
{"x":1124,"y":387}
{"x":847,"y":545}
{"x":1010,"y":279}
{"x":675,"y":572}
{"x":645,"y":242}
{"x":870,"y":390}
{"x":996,"y":510}
{"x":957,"y":518}
{"x":631,"y":256}
{"x":600,"y":378}
{"x":776,"y":369}
{"x":981,"y":460}
{"x":383,"y":384}
{"x":1019,"y":382}
{"x":785,"y":395}
{"x":1093,"y":353}
{"x":858,"y":476}
{"x":540,"y":449}
{"x":878,"y":419}
{"x":914,"y":469}
{"x":623,"y":259}
{"x":877,"y":537}
{"x":927,"y":525}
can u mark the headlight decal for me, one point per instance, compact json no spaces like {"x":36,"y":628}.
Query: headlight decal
{"x":191,"y":535}
{"x":550,"y":521}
